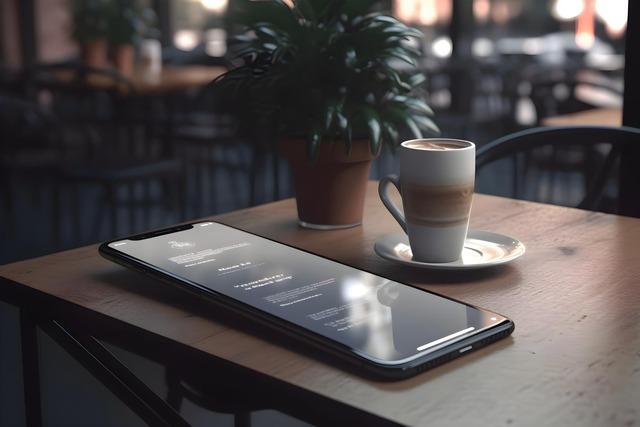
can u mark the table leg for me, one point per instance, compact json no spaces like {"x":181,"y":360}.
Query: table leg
{"x":30,"y":370}
{"x":114,"y":375}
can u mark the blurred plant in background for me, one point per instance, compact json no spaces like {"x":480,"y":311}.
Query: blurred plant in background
{"x":129,"y":21}
{"x":90,"y":20}
{"x":120,"y":24}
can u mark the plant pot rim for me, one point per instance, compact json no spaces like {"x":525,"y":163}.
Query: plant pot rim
{"x":294,"y":149}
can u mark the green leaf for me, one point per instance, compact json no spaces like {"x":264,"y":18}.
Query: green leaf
{"x":341,"y":120}
{"x":414,"y":104}
{"x":391,"y":133}
{"x":350,"y":58}
{"x":385,"y":18}
{"x":395,"y":77}
{"x":426,"y":124}
{"x":420,"y":106}
{"x":375,"y":130}
{"x":416,"y":79}
{"x":278,"y":54}
{"x":403,"y":118}
{"x":328,"y":118}
{"x":265,"y":29}
{"x":348,"y":138}
{"x":403,"y":30}
{"x":399,"y":54}
{"x":413,"y":127}
{"x":314,"y":139}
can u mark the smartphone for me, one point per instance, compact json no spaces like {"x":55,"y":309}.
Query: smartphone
{"x":384,"y":327}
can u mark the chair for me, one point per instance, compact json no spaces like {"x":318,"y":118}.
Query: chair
{"x":600,"y":146}
{"x":125,"y":153}
{"x":210,"y":141}
{"x":66,"y":157}
{"x":31,"y":146}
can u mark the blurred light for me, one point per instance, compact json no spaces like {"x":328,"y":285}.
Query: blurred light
{"x":604,"y":61}
{"x":423,"y":12}
{"x":428,"y":12}
{"x":585,"y":26}
{"x":413,"y":42}
{"x":406,"y":10}
{"x":440,"y":98}
{"x":482,"y":47}
{"x":354,"y":289}
{"x":442,"y":47}
{"x":217,"y":6}
{"x":585,"y":40}
{"x":444,"y":10}
{"x":501,"y":12}
{"x":614,"y":13}
{"x":185,"y":39}
{"x":561,"y":92}
{"x":525,"y":112}
{"x":216,"y":42}
{"x":481,"y":10}
{"x":533,"y":46}
{"x":599,"y":97}
{"x":566,"y":10}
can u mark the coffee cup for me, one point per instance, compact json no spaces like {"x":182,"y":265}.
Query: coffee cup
{"x":436,"y":182}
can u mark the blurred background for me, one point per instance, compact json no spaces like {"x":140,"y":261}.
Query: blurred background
{"x":108,"y":127}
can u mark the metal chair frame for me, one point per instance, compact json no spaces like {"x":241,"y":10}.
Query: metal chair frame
{"x":566,"y":136}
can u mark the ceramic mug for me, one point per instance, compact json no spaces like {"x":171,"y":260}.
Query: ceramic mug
{"x":436,"y":182}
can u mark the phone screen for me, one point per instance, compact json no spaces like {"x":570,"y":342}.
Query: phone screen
{"x":382,"y":320}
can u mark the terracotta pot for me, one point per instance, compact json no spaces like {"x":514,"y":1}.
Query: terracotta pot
{"x":123,"y":58}
{"x":94,"y":53}
{"x":329,"y":193}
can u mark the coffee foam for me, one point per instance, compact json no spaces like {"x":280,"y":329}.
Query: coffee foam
{"x":435,"y":145}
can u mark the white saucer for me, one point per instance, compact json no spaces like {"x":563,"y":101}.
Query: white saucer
{"x":481,"y":249}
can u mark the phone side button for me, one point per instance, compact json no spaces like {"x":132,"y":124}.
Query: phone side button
{"x":467,"y":348}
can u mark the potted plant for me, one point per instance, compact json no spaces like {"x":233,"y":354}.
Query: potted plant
{"x":321,"y":76}
{"x":90,"y":25}
{"x":128,"y":22}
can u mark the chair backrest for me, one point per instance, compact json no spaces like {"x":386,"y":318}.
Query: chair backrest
{"x":76,"y":91}
{"x":597,"y":166}
{"x":24,"y":123}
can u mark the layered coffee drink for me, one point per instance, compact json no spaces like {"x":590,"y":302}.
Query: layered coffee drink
{"x":437,"y":205}
{"x":436,"y":183}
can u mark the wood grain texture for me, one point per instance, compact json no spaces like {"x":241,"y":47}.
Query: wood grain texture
{"x":574,"y":358}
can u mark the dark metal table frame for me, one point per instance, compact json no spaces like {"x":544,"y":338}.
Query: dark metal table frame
{"x":78,"y":331}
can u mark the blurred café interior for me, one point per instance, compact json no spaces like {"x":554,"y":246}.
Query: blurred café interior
{"x":109,"y":125}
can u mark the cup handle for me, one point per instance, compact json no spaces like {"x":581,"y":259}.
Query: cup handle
{"x":383,"y":187}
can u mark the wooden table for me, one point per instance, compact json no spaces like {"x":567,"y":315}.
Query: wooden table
{"x":574,"y":358}
{"x":594,"y":117}
{"x":176,"y":78}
